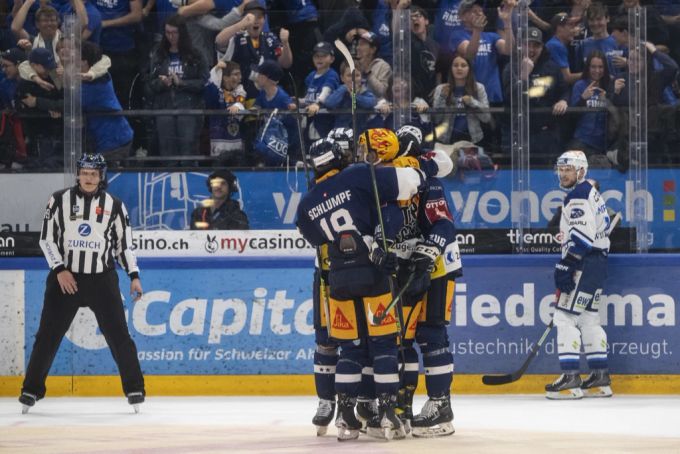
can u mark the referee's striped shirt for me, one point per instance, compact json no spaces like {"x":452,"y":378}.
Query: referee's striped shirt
{"x":84,"y":234}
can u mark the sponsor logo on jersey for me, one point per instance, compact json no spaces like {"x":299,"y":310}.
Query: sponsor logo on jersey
{"x":84,"y":230}
{"x":100,"y":210}
{"x":437,"y":209}
{"x":83,"y":244}
{"x":388,"y":320}
{"x":340,"y":321}
{"x":576,"y":213}
{"x":582,"y":299}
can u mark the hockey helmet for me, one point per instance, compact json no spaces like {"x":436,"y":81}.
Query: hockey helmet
{"x":344,"y":136}
{"x":379,"y":141}
{"x":326,"y":154}
{"x":410,"y":141}
{"x":576,"y":159}
{"x":218,"y":176}
{"x":93,"y":161}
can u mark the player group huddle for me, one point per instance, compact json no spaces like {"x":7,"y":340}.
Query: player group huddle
{"x":387,"y":261}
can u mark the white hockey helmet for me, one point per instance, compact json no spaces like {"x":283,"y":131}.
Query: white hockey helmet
{"x":576,"y":159}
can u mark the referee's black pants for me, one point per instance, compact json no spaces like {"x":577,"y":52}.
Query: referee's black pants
{"x":99,"y":292}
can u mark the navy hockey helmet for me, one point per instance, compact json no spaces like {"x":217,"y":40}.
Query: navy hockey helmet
{"x":410,"y":141}
{"x":344,"y":136}
{"x":327,"y":154}
{"x":225,"y":175}
{"x":93,"y":161}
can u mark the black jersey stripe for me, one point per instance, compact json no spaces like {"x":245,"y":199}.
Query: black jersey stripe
{"x":81,"y":262}
{"x":100,"y":208}
{"x":86,"y":208}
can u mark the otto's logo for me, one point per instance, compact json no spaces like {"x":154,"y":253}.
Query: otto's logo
{"x":576,"y":213}
{"x":211,"y":244}
{"x":84,"y":230}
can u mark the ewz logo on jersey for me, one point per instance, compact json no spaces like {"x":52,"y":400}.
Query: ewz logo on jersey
{"x":84,"y":230}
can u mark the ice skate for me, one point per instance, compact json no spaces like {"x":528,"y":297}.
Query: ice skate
{"x":434,"y":420}
{"x":567,"y":386}
{"x":597,"y":384}
{"x":135,"y":399}
{"x":366,"y":410}
{"x":346,"y":422}
{"x":27,"y":401}
{"x":405,"y":407}
{"x":386,"y":425}
{"x":323,"y":417}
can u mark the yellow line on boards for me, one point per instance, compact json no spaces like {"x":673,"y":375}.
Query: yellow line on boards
{"x":282,"y":385}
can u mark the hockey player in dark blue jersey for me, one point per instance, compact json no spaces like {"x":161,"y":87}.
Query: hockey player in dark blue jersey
{"x":326,"y":352}
{"x":340,"y":211}
{"x":580,"y":276}
{"x":428,"y":251}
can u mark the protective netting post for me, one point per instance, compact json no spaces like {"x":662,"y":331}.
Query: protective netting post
{"x":638,"y":209}
{"x":73,"y":121}
{"x":519,"y":128}
{"x":401,"y":68}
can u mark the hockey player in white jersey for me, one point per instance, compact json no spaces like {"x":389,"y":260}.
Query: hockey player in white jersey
{"x":579,"y":276}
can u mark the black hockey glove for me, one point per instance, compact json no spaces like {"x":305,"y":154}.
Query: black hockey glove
{"x":385,"y":261}
{"x":421,"y":265}
{"x":564,"y":274}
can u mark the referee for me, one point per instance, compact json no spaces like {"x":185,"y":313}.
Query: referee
{"x":84,"y":230}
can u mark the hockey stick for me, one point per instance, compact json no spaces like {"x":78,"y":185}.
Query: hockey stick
{"x":299,"y":128}
{"x":323,"y":288}
{"x":376,"y":319}
{"x":350,"y":62}
{"x":533,"y":351}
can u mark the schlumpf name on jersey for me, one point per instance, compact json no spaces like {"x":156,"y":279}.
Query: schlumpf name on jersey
{"x":329,"y":204}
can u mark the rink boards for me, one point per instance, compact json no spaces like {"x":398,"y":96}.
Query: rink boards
{"x":244,"y":325}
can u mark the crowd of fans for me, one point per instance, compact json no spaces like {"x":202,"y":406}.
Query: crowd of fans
{"x":243,"y":83}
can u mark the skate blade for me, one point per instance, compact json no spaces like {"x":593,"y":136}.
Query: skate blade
{"x":565,"y":394}
{"x":24,"y":409}
{"x":321,"y":431}
{"x":386,"y":433}
{"x":136,"y":408}
{"x":376,"y":432}
{"x":598,"y":391}
{"x":407,"y":426}
{"x":440,"y":430}
{"x":345,"y":434}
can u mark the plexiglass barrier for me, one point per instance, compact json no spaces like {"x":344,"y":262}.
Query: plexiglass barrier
{"x":532,"y":83}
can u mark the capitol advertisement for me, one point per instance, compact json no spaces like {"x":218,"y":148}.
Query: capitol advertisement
{"x":230,"y":316}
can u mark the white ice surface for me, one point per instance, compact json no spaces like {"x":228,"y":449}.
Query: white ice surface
{"x":516,"y":423}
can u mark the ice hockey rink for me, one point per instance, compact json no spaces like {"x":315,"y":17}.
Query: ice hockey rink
{"x":484,"y":424}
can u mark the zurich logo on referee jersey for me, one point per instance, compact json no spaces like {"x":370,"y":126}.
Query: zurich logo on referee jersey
{"x":84,"y":230}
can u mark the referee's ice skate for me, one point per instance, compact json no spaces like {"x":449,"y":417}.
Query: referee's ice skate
{"x":434,"y":420}
{"x":135,"y":399}
{"x":567,"y":386}
{"x":324,"y":415}
{"x":597,"y":384}
{"x":27,"y":401}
